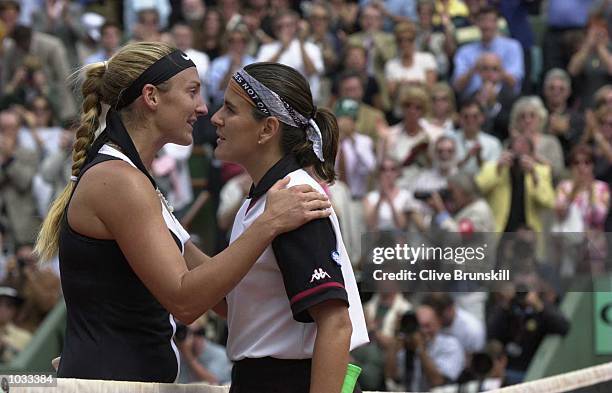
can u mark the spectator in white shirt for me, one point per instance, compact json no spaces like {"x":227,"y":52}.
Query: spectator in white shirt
{"x":356,"y":160}
{"x":457,"y":322}
{"x":291,"y":49}
{"x":473,"y":145}
{"x":182,"y":35}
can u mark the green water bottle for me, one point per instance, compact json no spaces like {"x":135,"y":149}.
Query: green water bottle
{"x":350,"y":380}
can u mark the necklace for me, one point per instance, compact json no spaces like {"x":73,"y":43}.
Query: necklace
{"x":164,"y":201}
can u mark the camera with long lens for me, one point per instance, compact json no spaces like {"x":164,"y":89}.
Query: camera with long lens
{"x":425,"y":195}
{"x":408,"y":324}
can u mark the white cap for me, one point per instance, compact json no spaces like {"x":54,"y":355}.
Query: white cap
{"x":92,"y":23}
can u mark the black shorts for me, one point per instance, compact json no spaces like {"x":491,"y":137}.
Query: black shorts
{"x":270,"y":375}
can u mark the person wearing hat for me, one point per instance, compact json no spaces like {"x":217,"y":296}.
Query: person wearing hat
{"x":356,"y":159}
{"x":355,"y":163}
{"x":109,"y":37}
{"x":12,"y":338}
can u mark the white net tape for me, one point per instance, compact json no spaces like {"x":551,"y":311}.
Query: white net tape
{"x":567,"y":382}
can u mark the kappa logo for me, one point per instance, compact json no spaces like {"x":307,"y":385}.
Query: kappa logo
{"x":319,"y":274}
{"x":335,"y":256}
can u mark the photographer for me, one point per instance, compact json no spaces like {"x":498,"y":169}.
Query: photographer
{"x":201,"y":359}
{"x":423,"y":357}
{"x":463,"y":211}
{"x":517,"y":187}
{"x":457,"y":322}
{"x":12,"y":338}
{"x":39,"y":286}
{"x":17,"y":169}
{"x":520,"y":319}
{"x":50,"y":54}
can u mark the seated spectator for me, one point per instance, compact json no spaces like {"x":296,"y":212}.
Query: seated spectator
{"x":48,"y":53}
{"x":19,"y":165}
{"x":520,"y":320}
{"x":495,"y":96}
{"x":443,"y":110}
{"x":410,"y":67}
{"x":317,"y":31}
{"x":110,"y":40}
{"x":424,"y":358}
{"x":370,"y":121}
{"x":407,"y":142}
{"x":591,"y":64}
{"x":148,"y":25}
{"x":380,"y":46}
{"x":210,"y":34}
{"x":42,"y":132}
{"x":466,"y":28}
{"x":529,"y":118}
{"x":590,"y":198}
{"x":517,"y":187}
{"x":355,"y":57}
{"x":519,"y":15}
{"x":202,"y":360}
{"x":563,"y":122}
{"x":223,"y":67}
{"x":565,"y":20}
{"x":457,"y":322}
{"x":62,"y":19}
{"x":291,"y":49}
{"x":384,"y":208}
{"x":355,"y":161}
{"x":474,"y":147}
{"x":465,"y":211}
{"x":465,"y":76}
{"x":598,"y":134}
{"x":437,"y":40}
{"x":443,"y":165}
{"x":182,"y":37}
{"x":603,"y":97}
{"x":12,"y":338}
{"x":39,"y":285}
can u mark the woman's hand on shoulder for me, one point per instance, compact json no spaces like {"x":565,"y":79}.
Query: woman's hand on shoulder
{"x":290,"y":208}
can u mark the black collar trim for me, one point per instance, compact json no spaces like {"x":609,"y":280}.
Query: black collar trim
{"x":282,"y":168}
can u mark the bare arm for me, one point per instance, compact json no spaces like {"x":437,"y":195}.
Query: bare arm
{"x":136,"y":223}
{"x":576,"y":64}
{"x":331,"y":351}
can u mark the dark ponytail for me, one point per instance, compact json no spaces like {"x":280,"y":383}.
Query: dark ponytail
{"x":292,"y":87}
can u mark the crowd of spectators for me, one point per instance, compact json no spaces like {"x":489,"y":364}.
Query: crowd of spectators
{"x":455,"y":117}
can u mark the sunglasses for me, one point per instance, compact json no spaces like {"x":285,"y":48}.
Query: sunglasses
{"x":198,"y":332}
{"x":388,"y":169}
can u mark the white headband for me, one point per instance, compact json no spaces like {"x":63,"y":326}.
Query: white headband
{"x":272,"y":104}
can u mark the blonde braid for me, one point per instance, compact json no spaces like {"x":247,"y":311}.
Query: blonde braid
{"x":47,"y":243}
{"x":102,"y":83}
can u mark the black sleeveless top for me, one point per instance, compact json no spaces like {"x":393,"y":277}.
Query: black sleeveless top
{"x":116,"y":329}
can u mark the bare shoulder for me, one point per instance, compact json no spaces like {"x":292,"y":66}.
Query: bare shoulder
{"x":109,"y":194}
